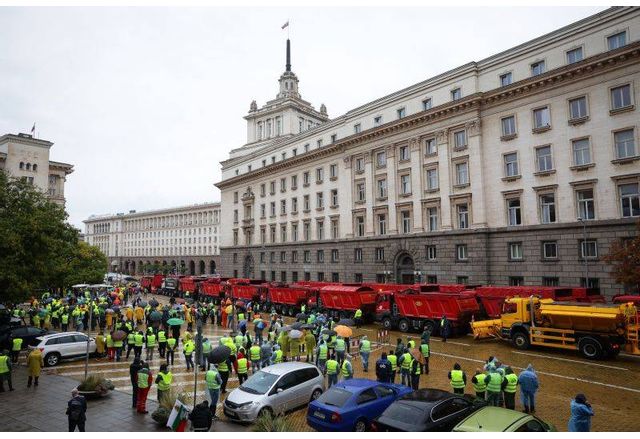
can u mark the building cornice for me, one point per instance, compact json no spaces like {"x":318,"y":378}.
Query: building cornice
{"x":25,"y":139}
{"x":137,"y":215}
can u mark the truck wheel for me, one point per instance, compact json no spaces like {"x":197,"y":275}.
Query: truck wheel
{"x":590,"y":348}
{"x":403,"y":325}
{"x":430,"y":325}
{"x":386,"y":323}
{"x":520,"y":340}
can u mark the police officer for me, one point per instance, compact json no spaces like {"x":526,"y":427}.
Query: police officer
{"x":509,"y":385}
{"x":458,"y":379}
{"x":331,"y":370}
{"x":383,"y":369}
{"x":391,"y":357}
{"x":479,"y":385}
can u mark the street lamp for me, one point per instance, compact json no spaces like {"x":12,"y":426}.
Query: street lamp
{"x":583,"y":249}
{"x":418,"y":274}
{"x":387,"y":275}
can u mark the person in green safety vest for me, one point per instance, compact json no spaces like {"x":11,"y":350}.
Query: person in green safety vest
{"x":346,"y":369}
{"x":457,"y":379}
{"x":64,"y":320}
{"x":117,"y":347}
{"x":188,"y":348}
{"x":5,"y":371}
{"x":163,"y":381}
{"x":494,"y":386}
{"x":16,"y":347}
{"x":206,"y":348}
{"x":131,"y":343}
{"x":340,"y":349}
{"x":331,"y":370}
{"x":321,"y":354}
{"x":151,"y":345}
{"x":171,"y":349}
{"x":277,"y":356}
{"x":138,"y":343}
{"x":144,"y":379}
{"x":405,"y":365}
{"x":509,"y":387}
{"x":162,"y":343}
{"x":478,"y":383}
{"x":393,"y":359}
{"x":214,"y":381}
{"x":303,"y":308}
{"x":357,"y":317}
{"x":223,"y":368}
{"x":111,"y":352}
{"x":240,"y":341}
{"x":365,"y":350}
{"x":242,"y":366}
{"x":425,"y":351}
{"x":254,"y":356}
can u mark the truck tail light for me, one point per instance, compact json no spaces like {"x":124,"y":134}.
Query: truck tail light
{"x":335,"y":417}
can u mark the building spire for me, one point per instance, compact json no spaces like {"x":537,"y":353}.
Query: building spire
{"x":288,"y":55}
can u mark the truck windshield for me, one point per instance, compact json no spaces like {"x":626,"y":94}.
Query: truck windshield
{"x":509,"y":308}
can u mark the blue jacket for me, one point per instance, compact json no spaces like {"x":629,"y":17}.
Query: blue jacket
{"x":580,"y":417}
{"x":528,"y":380}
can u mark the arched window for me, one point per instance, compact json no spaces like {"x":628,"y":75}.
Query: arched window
{"x":21,"y":165}
{"x":28,"y":166}
{"x":35,"y":167}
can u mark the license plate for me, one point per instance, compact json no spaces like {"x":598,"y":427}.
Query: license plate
{"x":319,"y":415}
{"x":229,"y":413}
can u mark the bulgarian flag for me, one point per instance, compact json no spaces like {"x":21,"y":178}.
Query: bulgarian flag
{"x":178,"y":417}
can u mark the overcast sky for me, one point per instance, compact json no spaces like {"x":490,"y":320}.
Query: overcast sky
{"x":145,"y":102}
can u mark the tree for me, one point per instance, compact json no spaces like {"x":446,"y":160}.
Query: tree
{"x":624,"y":256}
{"x":88,"y":265}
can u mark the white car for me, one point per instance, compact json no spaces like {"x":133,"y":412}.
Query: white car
{"x":64,"y":345}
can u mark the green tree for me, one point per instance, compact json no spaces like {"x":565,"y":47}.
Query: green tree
{"x":88,"y":265}
{"x":624,"y":257}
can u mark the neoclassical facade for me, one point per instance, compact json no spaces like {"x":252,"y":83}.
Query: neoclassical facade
{"x":521,"y":169}
{"x":23,"y":156}
{"x":186,"y":239}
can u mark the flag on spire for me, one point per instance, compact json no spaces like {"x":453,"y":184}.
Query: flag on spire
{"x":33,"y":129}
{"x":285,"y":25}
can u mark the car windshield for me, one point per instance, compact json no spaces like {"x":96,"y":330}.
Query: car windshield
{"x":335,"y":397}
{"x":408,"y":414}
{"x":259,"y":383}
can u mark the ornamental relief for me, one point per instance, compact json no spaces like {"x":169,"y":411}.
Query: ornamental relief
{"x":473,"y":127}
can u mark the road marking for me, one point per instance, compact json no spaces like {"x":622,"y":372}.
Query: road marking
{"x":570,"y":361}
{"x":546,"y":373}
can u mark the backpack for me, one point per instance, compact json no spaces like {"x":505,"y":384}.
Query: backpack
{"x":75,"y":410}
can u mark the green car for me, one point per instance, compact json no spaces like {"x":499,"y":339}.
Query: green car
{"x":499,"y":419}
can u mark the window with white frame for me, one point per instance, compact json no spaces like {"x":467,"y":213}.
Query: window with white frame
{"x":381,"y":159}
{"x":335,"y":228}
{"x":360,"y":164}
{"x":335,"y":255}
{"x":294,"y":259}
{"x":431,"y":252}
{"x":511,"y":164}
{"x":294,"y":205}
{"x":334,"y":197}
{"x":621,"y":97}
{"x":462,"y":253}
{"x":320,"y":200}
{"x":586,"y":204}
{"x":306,"y":256}
{"x":320,"y":229}
{"x":541,"y":118}
{"x":294,"y":233}
{"x":514,"y":212}
{"x":306,"y":230}
{"x":432,"y":179}
{"x":357,"y":255}
{"x":578,"y":108}
{"x":283,"y":207}
{"x":426,"y":104}
{"x":460,"y":139}
{"x":588,"y":249}
{"x":263,"y":190}
{"x":547,"y":208}
{"x":581,"y":152}
{"x":319,"y":175}
{"x":462,"y":173}
{"x":235,"y":215}
{"x":515,"y":251}
{"x":294,"y":182}
{"x":404,"y":153}
{"x":432,"y":218}
{"x":405,"y":184}
{"x":319,"y":143}
{"x":333,"y":171}
{"x":456,"y":94}
{"x":283,"y":233}
{"x":462,"y":213}
{"x":334,"y":138}
{"x":508,"y":126}
{"x":544,"y":160}
{"x":306,"y":147}
{"x":359,"y":226}
{"x":263,"y":211}
{"x":537,"y":68}
{"x":272,"y":209}
{"x":283,"y":184}
{"x":305,"y":178}
{"x":382,"y":224}
{"x":379,"y":254}
{"x":272,"y":233}
{"x":549,"y":249}
{"x":361,"y":194}
{"x":624,"y":141}
{"x":320,"y":256}
{"x":405,"y":218}
{"x":401,"y":112}
{"x":574,"y":55}
{"x":306,"y":203}
{"x":617,"y":40}
{"x":272,"y":187}
{"x":382,"y":187}
{"x":430,"y":147}
{"x":629,"y":199}
{"x":357,"y":128}
{"x":506,"y":79}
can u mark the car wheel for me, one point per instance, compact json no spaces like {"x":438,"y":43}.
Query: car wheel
{"x":316,"y":394}
{"x":52,"y":359}
{"x":361,"y":426}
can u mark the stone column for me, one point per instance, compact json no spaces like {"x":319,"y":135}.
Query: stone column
{"x":392,"y":192}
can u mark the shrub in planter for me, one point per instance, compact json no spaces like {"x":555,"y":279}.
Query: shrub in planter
{"x":165,"y":405}
{"x":271,"y":423}
{"x":95,"y":385}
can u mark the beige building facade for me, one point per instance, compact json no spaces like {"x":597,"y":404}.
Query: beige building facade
{"x":522,"y":168}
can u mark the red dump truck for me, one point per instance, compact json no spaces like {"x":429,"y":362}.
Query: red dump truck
{"x":344,"y":299}
{"x":152,"y":283}
{"x":246,"y":289}
{"x":627,"y":299}
{"x":190,"y":284}
{"x":215,"y":287}
{"x":288,"y":299}
{"x":413,"y":310}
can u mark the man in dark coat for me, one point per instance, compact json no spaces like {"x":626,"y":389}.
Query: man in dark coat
{"x":76,"y":411}
{"x":201,"y":417}
{"x":383,"y":369}
{"x":133,"y":374}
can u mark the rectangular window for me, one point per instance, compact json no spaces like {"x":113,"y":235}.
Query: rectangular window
{"x":305,"y":178}
{"x":405,"y":216}
{"x":382,"y":224}
{"x":263,"y":258}
{"x":379,"y":254}
{"x":319,"y":143}
{"x":377,"y":121}
{"x":360,"y":164}
{"x":357,"y":128}
{"x":334,"y":197}
{"x":430,"y":147}
{"x":625,"y":144}
{"x":621,"y":97}
{"x":294,"y":152}
{"x":272,"y":209}
{"x":334,"y":137}
{"x":306,"y":231}
{"x":431,"y":253}
{"x":335,"y":255}
{"x":462,"y":280}
{"x":508,"y":126}
{"x":537,"y":68}
{"x":426,"y":104}
{"x":333,"y":171}
{"x":401,"y":112}
{"x":357,"y":278}
{"x":319,"y":175}
{"x":294,"y":205}
{"x":334,"y":229}
{"x":544,"y":160}
{"x":586,"y":204}
{"x":272,"y":187}
{"x":320,"y":256}
{"x":335,"y":277}
{"x":307,"y":275}
{"x":629,"y":199}
{"x":272,"y":257}
{"x":263,"y":236}
{"x":574,"y":55}
{"x":432,"y":179}
{"x":405,"y":184}
{"x":541,"y":118}
{"x":549,"y":249}
{"x":263,"y":190}
{"x":462,"y":211}
{"x":320,"y":230}
{"x":506,"y":79}
{"x":235,"y":197}
{"x":283,"y":233}
{"x":589,"y":249}
{"x":283,"y":256}
{"x":235,"y":215}
{"x":357,"y":255}
{"x":319,"y":200}
{"x":461,"y":252}
{"x":581,"y":152}
{"x":306,"y":203}
{"x":381,"y":159}
{"x":404,"y":153}
{"x":359,"y":226}
{"x":294,"y":182}
{"x":511,"y":164}
{"x":294,"y":232}
{"x":460,"y":139}
{"x":515,"y":251}
{"x":283,"y":207}
{"x":462,"y":173}
{"x":456,"y":94}
{"x":432,"y":214}
{"x":307,"y":257}
{"x":617,"y":40}
{"x":550,"y":281}
{"x":514,"y":213}
{"x":382,"y":188}
{"x":516,"y":281}
{"x":578,"y":108}
{"x":547,"y":208}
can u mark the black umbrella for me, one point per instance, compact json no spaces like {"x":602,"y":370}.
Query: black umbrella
{"x":297,"y":325}
{"x":153,"y":303}
{"x":306,"y":326}
{"x":329,"y":332}
{"x":286,"y":329}
{"x":219,"y":354}
{"x":346,"y":322}
{"x":155,"y":316}
{"x":143,"y":304}
{"x":301,"y":316}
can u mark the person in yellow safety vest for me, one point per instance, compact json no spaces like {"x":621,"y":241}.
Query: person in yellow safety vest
{"x":110,"y":350}
{"x":321,"y":353}
{"x":163,"y":381}
{"x":138,"y":343}
{"x":5,"y":371}
{"x":254,"y":355}
{"x":509,"y":386}
{"x":117,"y":346}
{"x":242,"y":368}
{"x":393,"y":359}
{"x":331,"y":371}
{"x":206,"y":348}
{"x":277,"y":356}
{"x":64,"y":319}
{"x":188,"y":348}
{"x":214,"y":381}
{"x":479,"y":386}
{"x":346,"y":369}
{"x":151,"y":345}
{"x":100,"y":345}
{"x":171,"y":349}
{"x":223,"y":368}
{"x":240,"y":341}
{"x":340,"y":349}
{"x":405,"y":365}
{"x":425,"y":351}
{"x":365,"y":351}
{"x":494,"y":386}
{"x":458,"y":379}
{"x":231,"y":345}
{"x":144,"y":379}
{"x":357,"y":317}
{"x":162,"y":342}
{"x":16,"y":347}
{"x":131,"y":342}
{"x":415,"y":373}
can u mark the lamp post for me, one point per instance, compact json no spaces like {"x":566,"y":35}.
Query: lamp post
{"x":387,"y":275}
{"x":418,"y":274}
{"x":583,"y":249}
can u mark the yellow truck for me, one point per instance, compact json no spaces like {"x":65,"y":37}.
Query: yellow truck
{"x":597,"y":330}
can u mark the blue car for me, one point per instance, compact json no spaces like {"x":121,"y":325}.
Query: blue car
{"x":351,"y":405}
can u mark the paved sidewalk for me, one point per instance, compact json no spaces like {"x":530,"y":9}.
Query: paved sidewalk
{"x":43,"y":408}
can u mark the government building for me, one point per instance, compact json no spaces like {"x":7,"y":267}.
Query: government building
{"x":519,"y":169}
{"x":23,"y":156}
{"x":182,"y":240}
